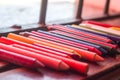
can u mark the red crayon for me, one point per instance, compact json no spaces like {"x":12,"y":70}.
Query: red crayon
{"x":46,"y":60}
{"x":10,"y":41}
{"x":86,"y":39}
{"x":100,"y":24}
{"x":80,"y":33}
{"x":75,"y":65}
{"x":67,"y":41}
{"x":20,"y":60}
{"x":68,"y":61}
{"x":41,"y":47}
{"x":47,"y":53}
{"x":91,"y":56}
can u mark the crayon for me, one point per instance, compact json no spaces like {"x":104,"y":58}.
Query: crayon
{"x":115,"y":28}
{"x":67,"y":41}
{"x":99,"y":24}
{"x":52,"y":39}
{"x":10,"y":41}
{"x":91,"y":56}
{"x":39,"y":52}
{"x":82,"y":27}
{"x":103,"y":44}
{"x":78,"y":28}
{"x":20,"y":60}
{"x":114,"y":38}
{"x":77,"y":41}
{"x":102,"y":29}
{"x":75,"y":65}
{"x":84,"y":34}
{"x":32,"y":41}
{"x":46,"y":60}
{"x":72,"y":55}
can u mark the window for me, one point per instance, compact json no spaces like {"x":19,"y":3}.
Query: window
{"x":60,"y":10}
{"x":52,"y":11}
{"x":19,"y":12}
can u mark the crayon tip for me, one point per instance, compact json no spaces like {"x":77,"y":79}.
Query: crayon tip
{"x":24,"y":34}
{"x":98,"y":58}
{"x":115,"y":28}
{"x":63,"y":66}
{"x":75,"y":52}
{"x":87,"y":68}
{"x":75,"y":57}
{"x":97,"y":51}
{"x":39,"y":64}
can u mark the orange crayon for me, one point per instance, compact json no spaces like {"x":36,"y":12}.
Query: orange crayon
{"x":48,"y":49}
{"x":115,"y":28}
{"x":91,"y":56}
{"x":32,"y":41}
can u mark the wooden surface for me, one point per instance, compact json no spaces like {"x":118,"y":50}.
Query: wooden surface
{"x":96,"y":71}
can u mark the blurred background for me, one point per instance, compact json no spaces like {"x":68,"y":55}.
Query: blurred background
{"x":28,"y":11}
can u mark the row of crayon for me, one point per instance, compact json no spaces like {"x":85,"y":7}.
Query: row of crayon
{"x":84,"y":35}
{"x":61,"y":49}
{"x":16,"y":52}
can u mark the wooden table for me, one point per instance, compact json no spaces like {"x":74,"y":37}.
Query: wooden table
{"x":109,"y":69}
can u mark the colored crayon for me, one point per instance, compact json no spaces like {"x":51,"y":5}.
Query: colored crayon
{"x":91,"y":56}
{"x":115,"y":28}
{"x":114,"y":38}
{"x":75,"y":40}
{"x":52,"y":39}
{"x":57,"y":39}
{"x":20,"y":60}
{"x":38,"y":51}
{"x":72,"y":55}
{"x":99,"y":24}
{"x":103,"y":44}
{"x":82,"y":27}
{"x":46,"y":60}
{"x":87,"y":31}
{"x":41,"y":47}
{"x":84,"y":34}
{"x":32,"y":41}
{"x":102,"y":29}
{"x":75,"y":65}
